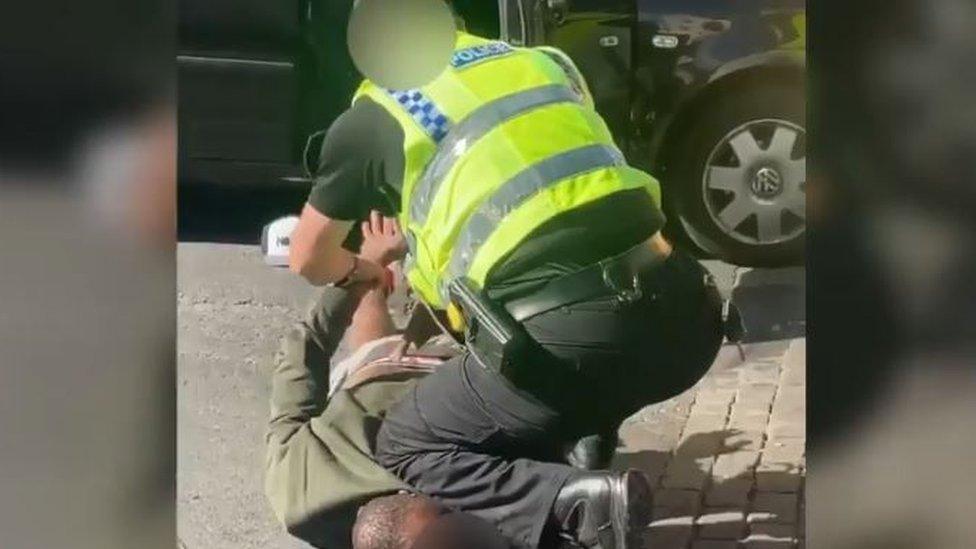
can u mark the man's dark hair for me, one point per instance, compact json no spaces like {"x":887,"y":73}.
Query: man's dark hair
{"x":381,"y":522}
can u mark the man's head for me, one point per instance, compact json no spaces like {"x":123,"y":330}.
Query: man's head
{"x":393,"y":522}
{"x":408,"y":521}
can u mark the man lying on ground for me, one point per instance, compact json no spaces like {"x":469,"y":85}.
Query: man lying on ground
{"x":321,"y":476}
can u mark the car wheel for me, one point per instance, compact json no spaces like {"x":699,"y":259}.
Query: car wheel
{"x":740,"y":177}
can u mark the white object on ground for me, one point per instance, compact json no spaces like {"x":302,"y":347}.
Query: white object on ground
{"x":276,"y":240}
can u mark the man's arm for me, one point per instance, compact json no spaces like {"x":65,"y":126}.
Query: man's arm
{"x":372,"y":319}
{"x":295,"y":455}
{"x":300,"y":381}
{"x":383,"y":243}
{"x":298,"y":458}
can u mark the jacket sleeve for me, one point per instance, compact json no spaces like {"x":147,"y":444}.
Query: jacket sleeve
{"x":299,"y":391}
{"x":300,"y":380}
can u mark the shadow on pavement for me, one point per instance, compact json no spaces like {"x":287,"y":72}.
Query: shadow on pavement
{"x":772,"y":303}
{"x":760,"y":498}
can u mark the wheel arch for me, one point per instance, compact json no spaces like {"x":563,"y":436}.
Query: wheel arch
{"x":738,"y":75}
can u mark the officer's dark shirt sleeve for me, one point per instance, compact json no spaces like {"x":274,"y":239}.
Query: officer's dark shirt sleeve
{"x":360,"y":164}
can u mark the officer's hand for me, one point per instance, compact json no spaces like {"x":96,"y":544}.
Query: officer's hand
{"x":383,"y":243}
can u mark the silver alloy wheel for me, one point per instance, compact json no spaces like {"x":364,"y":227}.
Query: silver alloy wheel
{"x":754,"y":183}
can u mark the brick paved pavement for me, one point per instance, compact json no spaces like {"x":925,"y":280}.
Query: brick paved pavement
{"x":727,"y":457}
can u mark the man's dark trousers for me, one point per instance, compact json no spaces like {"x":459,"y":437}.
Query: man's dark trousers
{"x":481,"y":442}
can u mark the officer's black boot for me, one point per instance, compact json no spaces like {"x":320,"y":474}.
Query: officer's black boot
{"x":604,"y":510}
{"x":592,"y":452}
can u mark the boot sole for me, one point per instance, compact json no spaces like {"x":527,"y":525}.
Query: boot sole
{"x":632,"y":511}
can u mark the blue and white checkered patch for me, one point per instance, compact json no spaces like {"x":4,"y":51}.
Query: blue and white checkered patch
{"x":476,"y":54}
{"x":424,"y":112}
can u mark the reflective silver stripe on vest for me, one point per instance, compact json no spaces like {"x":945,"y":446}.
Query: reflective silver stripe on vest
{"x":411,"y":258}
{"x":520,"y":188}
{"x":460,"y":138}
{"x":575,"y":78}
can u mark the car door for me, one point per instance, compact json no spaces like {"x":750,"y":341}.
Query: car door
{"x":597,"y":35}
{"x":237,"y":81}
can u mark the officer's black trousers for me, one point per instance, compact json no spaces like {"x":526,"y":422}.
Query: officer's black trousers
{"x":490,"y":445}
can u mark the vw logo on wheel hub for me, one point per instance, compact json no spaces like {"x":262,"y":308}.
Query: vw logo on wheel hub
{"x":767,"y":183}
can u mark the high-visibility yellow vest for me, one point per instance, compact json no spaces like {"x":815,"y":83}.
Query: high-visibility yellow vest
{"x":502,"y":141}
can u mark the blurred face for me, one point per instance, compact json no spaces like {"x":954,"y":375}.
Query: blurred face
{"x":401,"y":44}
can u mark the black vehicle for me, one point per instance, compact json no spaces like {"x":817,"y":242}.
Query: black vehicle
{"x":708,"y":95}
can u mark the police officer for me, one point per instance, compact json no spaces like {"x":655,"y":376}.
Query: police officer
{"x":503,"y":176}
{"x":322,"y":479}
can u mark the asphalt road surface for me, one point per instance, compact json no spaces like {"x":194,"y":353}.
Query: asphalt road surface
{"x":232,"y":310}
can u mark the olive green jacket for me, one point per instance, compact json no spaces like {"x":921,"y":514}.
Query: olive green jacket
{"x":320,"y":466}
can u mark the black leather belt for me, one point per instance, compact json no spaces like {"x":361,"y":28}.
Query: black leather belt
{"x":615,"y":276}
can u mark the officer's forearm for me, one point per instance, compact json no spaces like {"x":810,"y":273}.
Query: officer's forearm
{"x":315,"y":248}
{"x":323,"y":268}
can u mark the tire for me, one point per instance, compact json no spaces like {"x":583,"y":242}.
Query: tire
{"x":739,"y":185}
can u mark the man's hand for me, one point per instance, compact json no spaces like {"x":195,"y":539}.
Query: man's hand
{"x":383,"y":243}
